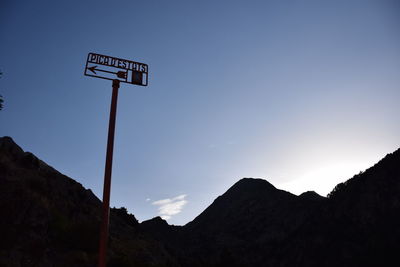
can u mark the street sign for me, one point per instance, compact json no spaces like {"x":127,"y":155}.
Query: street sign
{"x":118,"y":70}
{"x":112,"y":68}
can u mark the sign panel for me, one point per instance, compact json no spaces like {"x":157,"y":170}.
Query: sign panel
{"x":111,"y":68}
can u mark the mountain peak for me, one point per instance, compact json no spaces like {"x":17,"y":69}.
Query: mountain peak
{"x":311,"y":195}
{"x":8,"y":146}
{"x":155,"y":221}
{"x":247,"y":197}
{"x":252,"y":180}
{"x":156,"y":226}
{"x":252,"y":185}
{"x":11,"y":152}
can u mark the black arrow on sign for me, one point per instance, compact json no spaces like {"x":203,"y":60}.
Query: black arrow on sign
{"x":120,"y":74}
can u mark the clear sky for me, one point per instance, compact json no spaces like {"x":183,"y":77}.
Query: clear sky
{"x":302,"y":93}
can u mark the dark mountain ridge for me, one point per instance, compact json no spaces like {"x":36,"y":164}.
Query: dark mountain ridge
{"x":48,"y":219}
{"x":53,"y":221}
{"x":354,"y":226}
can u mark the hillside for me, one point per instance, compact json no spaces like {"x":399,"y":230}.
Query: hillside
{"x":255,"y":224}
{"x":51,"y":220}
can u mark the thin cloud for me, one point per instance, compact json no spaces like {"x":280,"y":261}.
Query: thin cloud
{"x":170,"y":206}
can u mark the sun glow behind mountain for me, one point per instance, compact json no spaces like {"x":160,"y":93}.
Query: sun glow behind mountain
{"x":320,"y":167}
{"x":324,"y":177}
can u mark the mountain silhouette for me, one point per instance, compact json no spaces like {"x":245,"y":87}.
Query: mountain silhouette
{"x":48,"y":219}
{"x":51,"y":220}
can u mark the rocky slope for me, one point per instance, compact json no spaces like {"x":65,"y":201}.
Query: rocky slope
{"x":48,"y":219}
{"x":51,"y":220}
{"x":255,"y":224}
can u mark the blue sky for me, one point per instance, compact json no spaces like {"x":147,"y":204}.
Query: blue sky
{"x":301,"y":93}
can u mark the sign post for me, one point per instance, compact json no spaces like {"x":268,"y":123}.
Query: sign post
{"x":118,"y":70}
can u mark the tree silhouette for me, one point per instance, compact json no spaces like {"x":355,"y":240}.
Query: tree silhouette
{"x":1,"y":97}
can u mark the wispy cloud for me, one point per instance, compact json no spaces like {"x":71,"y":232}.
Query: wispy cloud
{"x":170,"y":206}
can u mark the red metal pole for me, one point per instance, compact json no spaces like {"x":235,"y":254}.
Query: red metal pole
{"x":107,"y":178}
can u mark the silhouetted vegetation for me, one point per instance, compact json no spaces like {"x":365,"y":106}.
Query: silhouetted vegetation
{"x":51,"y":220}
{"x":1,"y":97}
{"x":74,"y":235}
{"x":125,"y":216}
